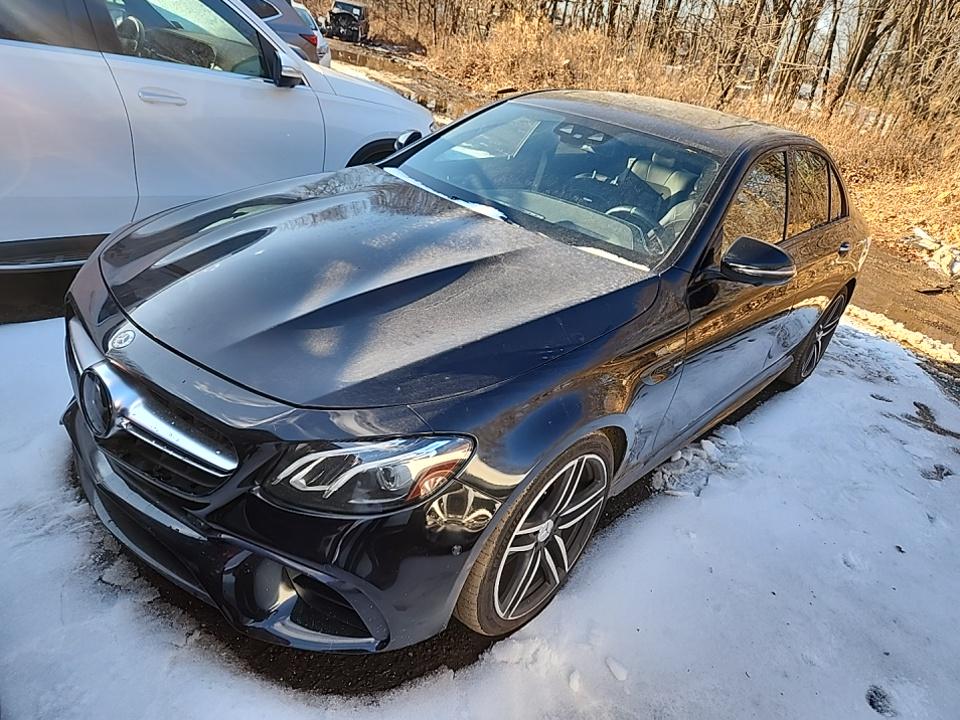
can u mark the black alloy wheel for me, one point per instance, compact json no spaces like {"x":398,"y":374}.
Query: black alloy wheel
{"x":533,"y":550}
{"x":811,"y":350}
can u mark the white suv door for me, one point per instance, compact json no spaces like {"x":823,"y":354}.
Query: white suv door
{"x":204,"y":115}
{"x":66,"y":158}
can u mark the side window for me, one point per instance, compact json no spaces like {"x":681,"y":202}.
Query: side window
{"x":759,"y":209}
{"x":262,"y":8}
{"x":837,"y":201}
{"x":46,"y":22}
{"x":202,"y":33}
{"x":809,"y":192}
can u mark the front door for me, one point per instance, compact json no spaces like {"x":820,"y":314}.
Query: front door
{"x":733,"y":326}
{"x":204,"y":116}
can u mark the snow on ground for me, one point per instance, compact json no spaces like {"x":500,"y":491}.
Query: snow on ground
{"x":802,"y":565}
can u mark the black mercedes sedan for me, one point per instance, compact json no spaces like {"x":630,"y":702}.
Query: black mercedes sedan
{"x":346,"y":408}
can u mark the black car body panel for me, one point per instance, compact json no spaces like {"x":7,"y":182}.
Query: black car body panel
{"x":386,"y":293}
{"x":247,"y":317}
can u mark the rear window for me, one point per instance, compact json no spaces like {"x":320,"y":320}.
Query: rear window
{"x":306,"y":17}
{"x":809,"y":192}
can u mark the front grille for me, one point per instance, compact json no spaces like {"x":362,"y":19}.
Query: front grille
{"x":149,"y":438}
{"x":139,"y":461}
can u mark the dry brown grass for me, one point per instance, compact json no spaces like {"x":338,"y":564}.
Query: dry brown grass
{"x":902,"y":177}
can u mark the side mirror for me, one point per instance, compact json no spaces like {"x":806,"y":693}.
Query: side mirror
{"x":755,"y":262}
{"x":284,"y":72}
{"x":407,"y":138}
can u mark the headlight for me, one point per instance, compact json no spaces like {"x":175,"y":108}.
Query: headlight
{"x":367,"y":477}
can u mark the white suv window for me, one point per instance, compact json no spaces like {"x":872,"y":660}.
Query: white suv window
{"x":203,"y":33}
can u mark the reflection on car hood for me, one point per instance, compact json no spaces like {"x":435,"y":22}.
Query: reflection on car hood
{"x":358,"y":289}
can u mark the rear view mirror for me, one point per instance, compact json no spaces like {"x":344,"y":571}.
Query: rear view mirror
{"x":407,"y":138}
{"x":756,"y":262}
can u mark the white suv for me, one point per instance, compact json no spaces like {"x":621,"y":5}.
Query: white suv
{"x":113,"y":110}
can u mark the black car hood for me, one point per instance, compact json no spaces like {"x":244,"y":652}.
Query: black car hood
{"x":359,"y":289}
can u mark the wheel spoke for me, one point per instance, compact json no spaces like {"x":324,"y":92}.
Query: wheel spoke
{"x":524,"y":580}
{"x":830,"y":325}
{"x":528,"y":529}
{"x":569,"y":484}
{"x":582,"y":514}
{"x":521,"y":544}
{"x":551,"y":565}
{"x":572,"y":507}
{"x":563,"y":552}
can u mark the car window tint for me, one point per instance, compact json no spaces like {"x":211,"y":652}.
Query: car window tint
{"x":262,"y":8}
{"x":759,"y":208}
{"x":836,"y":197}
{"x":202,"y":33}
{"x":46,"y":22}
{"x":809,"y":199}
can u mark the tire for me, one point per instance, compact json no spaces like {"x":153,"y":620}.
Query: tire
{"x":810,"y":352}
{"x":530,"y":554}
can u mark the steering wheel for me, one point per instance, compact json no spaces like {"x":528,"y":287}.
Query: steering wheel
{"x":588,"y":191}
{"x":132,"y":34}
{"x":635,"y":190}
{"x":651,"y":228}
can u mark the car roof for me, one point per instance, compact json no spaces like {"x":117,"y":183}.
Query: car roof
{"x":716,"y":132}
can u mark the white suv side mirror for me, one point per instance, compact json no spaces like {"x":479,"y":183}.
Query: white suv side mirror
{"x":410,"y":136}
{"x":284,"y":71}
{"x":290,"y":74}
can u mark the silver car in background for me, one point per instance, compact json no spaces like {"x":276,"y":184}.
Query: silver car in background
{"x":286,"y":22}
{"x":323,"y":49}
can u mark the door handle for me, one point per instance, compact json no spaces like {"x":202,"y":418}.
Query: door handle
{"x":844,"y":248}
{"x":159,"y":96}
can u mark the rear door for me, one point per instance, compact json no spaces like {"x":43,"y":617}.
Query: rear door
{"x":205,"y":117}
{"x":813,"y":240}
{"x":66,"y":158}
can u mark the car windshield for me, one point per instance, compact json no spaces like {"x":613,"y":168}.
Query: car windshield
{"x":595,"y":185}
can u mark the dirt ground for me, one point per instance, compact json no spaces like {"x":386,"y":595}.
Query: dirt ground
{"x":890,"y":285}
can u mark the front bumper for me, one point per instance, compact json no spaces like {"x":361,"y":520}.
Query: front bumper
{"x":288,"y":600}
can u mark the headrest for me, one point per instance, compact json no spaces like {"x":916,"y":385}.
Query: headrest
{"x":662,"y":160}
